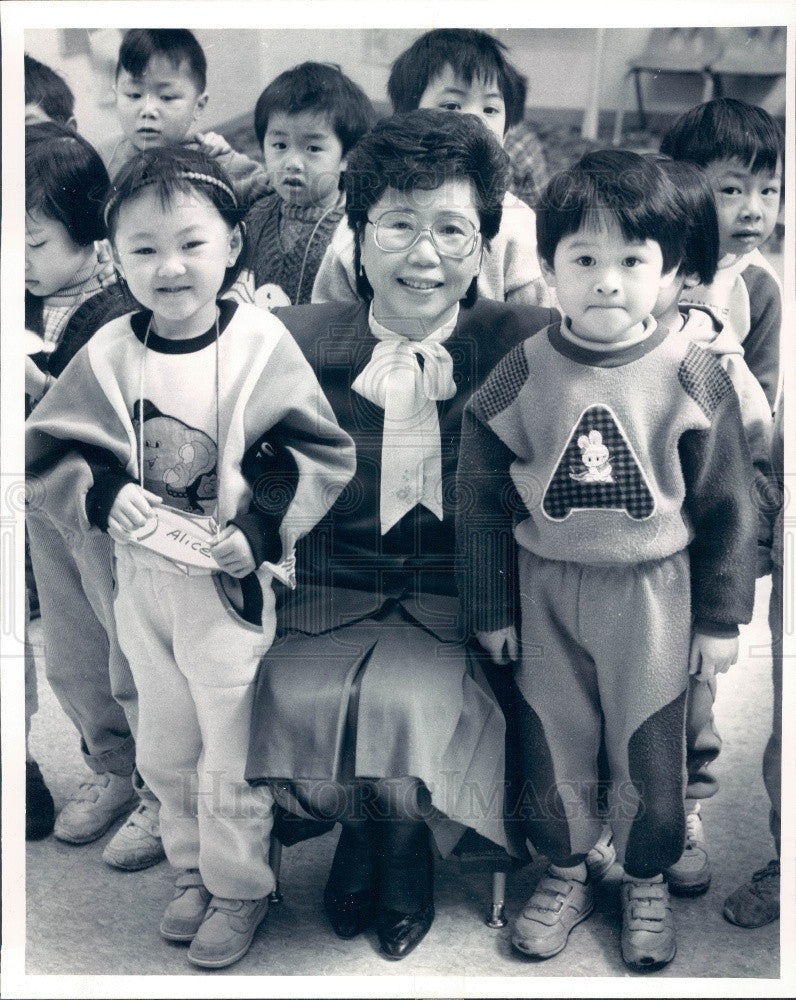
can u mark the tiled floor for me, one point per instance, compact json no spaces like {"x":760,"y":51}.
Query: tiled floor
{"x":86,"y":918}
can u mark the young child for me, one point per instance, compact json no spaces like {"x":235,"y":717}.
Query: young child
{"x":67,"y":299}
{"x":464,"y":71}
{"x":178,"y":410}
{"x":621,"y":451}
{"x":47,"y":96}
{"x":741,"y":149}
{"x":306,"y":121}
{"x":161,"y":91}
{"x":690,"y":875}
{"x":756,"y":902}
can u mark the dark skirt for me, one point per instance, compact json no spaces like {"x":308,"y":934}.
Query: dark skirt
{"x":384,"y":697}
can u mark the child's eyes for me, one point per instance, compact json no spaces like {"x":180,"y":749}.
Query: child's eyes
{"x":730,"y":189}
{"x":772,"y":189}
{"x":315,"y":149}
{"x":278,"y":145}
{"x":35,"y":246}
{"x":142,"y":251}
{"x":193,"y":244}
{"x":492,"y":111}
{"x":632,"y":261}
{"x":585,"y":260}
{"x":451,"y":106}
{"x":169,"y":97}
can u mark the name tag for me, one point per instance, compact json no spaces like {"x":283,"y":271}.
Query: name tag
{"x":182,"y":539}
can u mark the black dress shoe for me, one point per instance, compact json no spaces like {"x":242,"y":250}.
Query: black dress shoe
{"x":400,"y":933}
{"x":349,"y":913}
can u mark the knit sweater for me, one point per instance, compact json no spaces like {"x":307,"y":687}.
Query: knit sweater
{"x":746,"y":297}
{"x":248,"y":177}
{"x":287,"y":244}
{"x":607,"y":458}
{"x":509,"y":270}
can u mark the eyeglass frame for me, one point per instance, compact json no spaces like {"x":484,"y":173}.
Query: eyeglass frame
{"x":419,"y":233}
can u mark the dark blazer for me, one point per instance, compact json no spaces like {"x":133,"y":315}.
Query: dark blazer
{"x":346,"y":568}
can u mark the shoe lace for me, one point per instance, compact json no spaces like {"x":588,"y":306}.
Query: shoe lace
{"x":761,"y":878}
{"x":693,"y":831}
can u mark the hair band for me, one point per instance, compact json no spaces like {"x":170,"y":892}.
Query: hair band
{"x":188,"y":175}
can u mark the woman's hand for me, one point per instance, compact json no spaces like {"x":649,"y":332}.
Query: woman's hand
{"x":501,"y":644}
{"x":130,"y":510}
{"x":232,"y":552}
{"x":711,"y":655}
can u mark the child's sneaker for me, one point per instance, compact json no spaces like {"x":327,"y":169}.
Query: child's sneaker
{"x":136,"y":844}
{"x":39,"y":806}
{"x":99,"y":801}
{"x":183,"y":916}
{"x":690,"y":874}
{"x":557,"y":905}
{"x":648,"y":937}
{"x":602,"y":856}
{"x":756,"y":902}
{"x":227,"y":931}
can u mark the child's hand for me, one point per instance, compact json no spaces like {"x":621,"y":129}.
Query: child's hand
{"x":213,"y":144}
{"x":106,"y":272}
{"x":232,"y":552}
{"x":495,"y":643}
{"x":35,"y":380}
{"x":711,"y":655}
{"x":130,"y":510}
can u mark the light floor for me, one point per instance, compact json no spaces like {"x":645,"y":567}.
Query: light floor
{"x":85,"y":918}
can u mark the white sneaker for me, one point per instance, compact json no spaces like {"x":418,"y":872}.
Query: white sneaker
{"x":226,"y":933}
{"x":98,"y":802}
{"x":136,"y":844}
{"x":602,"y":856}
{"x":558,"y":904}
{"x":690,"y":874}
{"x":648,"y":937}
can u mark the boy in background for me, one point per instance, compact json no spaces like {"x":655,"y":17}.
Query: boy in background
{"x":306,"y":121}
{"x":461,"y":70}
{"x":622,"y":452}
{"x":48,"y":97}
{"x":740,"y":147}
{"x":161,"y":91}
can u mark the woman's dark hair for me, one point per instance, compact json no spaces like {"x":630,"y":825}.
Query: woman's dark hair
{"x":169,"y":170}
{"x":65,"y":180}
{"x":44,"y":87}
{"x":420,"y":151}
{"x":140,"y":45}
{"x":319,"y":87}
{"x":693,"y":190}
{"x":632,"y":188}
{"x":470,"y":54}
{"x":727,"y":129}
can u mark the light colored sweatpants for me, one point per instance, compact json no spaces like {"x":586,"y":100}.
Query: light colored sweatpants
{"x":85,"y":666}
{"x":604,"y":656}
{"x":194,"y":661}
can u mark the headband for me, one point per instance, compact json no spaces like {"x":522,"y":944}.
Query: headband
{"x":188,"y":175}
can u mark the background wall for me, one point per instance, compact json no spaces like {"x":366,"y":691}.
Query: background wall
{"x":557,"y":63}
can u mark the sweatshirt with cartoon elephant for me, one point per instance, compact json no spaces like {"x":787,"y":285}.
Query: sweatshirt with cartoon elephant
{"x":607,"y":457}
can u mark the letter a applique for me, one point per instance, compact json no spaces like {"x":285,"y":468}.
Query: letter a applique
{"x":598,"y":469}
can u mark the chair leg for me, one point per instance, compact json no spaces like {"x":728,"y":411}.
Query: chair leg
{"x":642,"y":115}
{"x":497,"y":914}
{"x":275,"y":861}
{"x":620,"y":111}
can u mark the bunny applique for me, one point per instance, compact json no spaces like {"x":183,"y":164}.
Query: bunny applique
{"x":595,"y":457}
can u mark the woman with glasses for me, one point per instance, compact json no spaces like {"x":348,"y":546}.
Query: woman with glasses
{"x":376,"y":711}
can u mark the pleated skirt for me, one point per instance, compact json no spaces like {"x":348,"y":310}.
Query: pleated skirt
{"x":383,"y":697}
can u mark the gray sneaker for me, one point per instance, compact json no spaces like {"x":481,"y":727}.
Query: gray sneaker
{"x":185,"y":913}
{"x":556,"y":906}
{"x":136,"y":844}
{"x":98,"y":802}
{"x":227,"y":931}
{"x":756,"y":902}
{"x":690,"y":874}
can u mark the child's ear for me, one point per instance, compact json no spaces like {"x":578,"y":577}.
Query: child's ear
{"x":548,"y":273}
{"x":691,"y":281}
{"x":669,"y":277}
{"x":201,"y":103}
{"x":235,"y":245}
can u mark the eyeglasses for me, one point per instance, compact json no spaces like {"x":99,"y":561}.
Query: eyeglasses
{"x":452,"y":235}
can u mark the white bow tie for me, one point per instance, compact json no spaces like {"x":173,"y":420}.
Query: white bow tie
{"x":411,"y":455}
